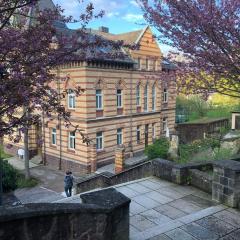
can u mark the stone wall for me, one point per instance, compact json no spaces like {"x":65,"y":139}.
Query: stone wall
{"x":201,"y":180}
{"x":103,"y":216}
{"x":107,"y":179}
{"x":226,"y":182}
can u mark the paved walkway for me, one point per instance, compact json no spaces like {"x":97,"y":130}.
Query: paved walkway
{"x":161,"y":210}
{"x":50,"y":187}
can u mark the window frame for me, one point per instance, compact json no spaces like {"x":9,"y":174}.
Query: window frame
{"x":154,"y":98}
{"x":99,"y":99}
{"x":54,"y":137}
{"x":119,"y":133}
{"x":165,"y":95}
{"x":70,"y":137}
{"x":145,"y":104}
{"x":154,"y":130}
{"x":147,"y":64}
{"x":71,"y":99}
{"x":138,"y":95}
{"x":139,"y":63}
{"x":99,"y":137}
{"x":138,"y":131}
{"x":165,"y":124}
{"x":119,"y":99}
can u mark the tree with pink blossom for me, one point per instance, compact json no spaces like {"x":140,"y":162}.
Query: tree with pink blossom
{"x":206,"y":36}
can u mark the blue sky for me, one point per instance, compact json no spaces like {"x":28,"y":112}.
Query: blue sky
{"x":120,"y":15}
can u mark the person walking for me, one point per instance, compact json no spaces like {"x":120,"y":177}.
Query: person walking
{"x":68,"y":183}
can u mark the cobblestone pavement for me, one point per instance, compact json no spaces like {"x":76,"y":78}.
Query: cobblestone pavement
{"x":161,"y":210}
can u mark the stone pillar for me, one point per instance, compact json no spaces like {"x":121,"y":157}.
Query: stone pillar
{"x":119,"y":159}
{"x":93,"y":157}
{"x":233,"y":121}
{"x":226,"y":182}
{"x":117,"y":206}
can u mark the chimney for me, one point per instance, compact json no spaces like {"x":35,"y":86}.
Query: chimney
{"x":103,"y":29}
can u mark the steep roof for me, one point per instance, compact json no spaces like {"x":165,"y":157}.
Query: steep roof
{"x":128,"y":37}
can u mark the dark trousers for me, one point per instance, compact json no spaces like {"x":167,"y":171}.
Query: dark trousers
{"x":68,"y":191}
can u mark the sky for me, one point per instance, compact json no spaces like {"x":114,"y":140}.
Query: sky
{"x":120,"y":15}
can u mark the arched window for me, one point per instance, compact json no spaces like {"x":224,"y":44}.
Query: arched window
{"x":153,"y":98}
{"x":146,"y":98}
{"x":138,"y":95}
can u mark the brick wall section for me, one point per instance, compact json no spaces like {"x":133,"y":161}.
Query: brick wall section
{"x":119,"y":160}
{"x":226,"y":182}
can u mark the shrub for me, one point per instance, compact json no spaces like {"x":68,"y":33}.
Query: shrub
{"x":10,"y":176}
{"x":158,"y":149}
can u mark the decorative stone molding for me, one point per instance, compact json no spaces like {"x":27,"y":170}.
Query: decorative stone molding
{"x":70,"y":83}
{"x":121,"y":84}
{"x":100,"y":84}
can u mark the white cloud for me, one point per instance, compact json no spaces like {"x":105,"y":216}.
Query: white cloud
{"x":130,"y":17}
{"x":112,"y":14}
{"x":134,"y":3}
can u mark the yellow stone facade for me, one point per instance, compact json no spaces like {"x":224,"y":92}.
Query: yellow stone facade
{"x":110,"y":77}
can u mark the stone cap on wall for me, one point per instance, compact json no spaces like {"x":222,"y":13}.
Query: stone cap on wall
{"x":47,"y":209}
{"x":228,"y":164}
{"x":108,"y":198}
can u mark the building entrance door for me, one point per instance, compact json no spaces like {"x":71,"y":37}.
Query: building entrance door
{"x":146,"y":135}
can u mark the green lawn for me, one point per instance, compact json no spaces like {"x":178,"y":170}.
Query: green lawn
{"x":214,"y":113}
{"x":4,"y":155}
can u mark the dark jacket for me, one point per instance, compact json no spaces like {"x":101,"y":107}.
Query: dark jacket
{"x":68,"y":181}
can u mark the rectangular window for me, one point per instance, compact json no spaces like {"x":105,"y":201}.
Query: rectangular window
{"x":164,"y":124}
{"x":119,"y":98}
{"x":165,"y":95}
{"x":99,"y":100}
{"x":138,"y":103}
{"x":138,"y":134}
{"x":147,"y":64}
{"x":54,"y":136}
{"x":146,"y":98}
{"x":99,"y":141}
{"x":153,"y":131}
{"x":119,"y":136}
{"x":154,"y":65}
{"x":153,"y":98}
{"x":71,"y":141}
{"x":139,"y":63}
{"x":71,"y":99}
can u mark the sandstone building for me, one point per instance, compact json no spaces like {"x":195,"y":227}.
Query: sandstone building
{"x":125,"y":103}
